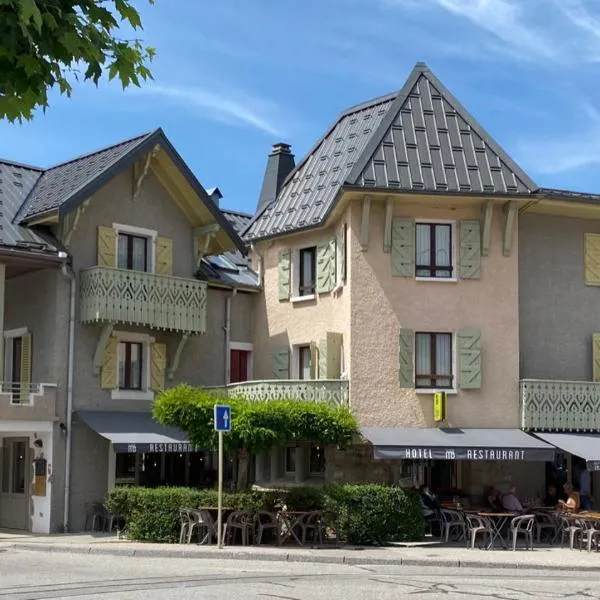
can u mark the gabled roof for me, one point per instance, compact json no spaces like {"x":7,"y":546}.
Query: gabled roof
{"x":66,"y":185}
{"x":420,"y":139}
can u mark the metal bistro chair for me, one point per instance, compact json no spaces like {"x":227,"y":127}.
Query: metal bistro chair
{"x":95,"y":514}
{"x":522,"y":525}
{"x":589,"y":535}
{"x":453,"y":520}
{"x":478,"y":525}
{"x":545,"y":522}
{"x":200,"y":522}
{"x":242,"y":521}
{"x":184,"y":519}
{"x":569,"y":527}
{"x":265,"y":520}
{"x":312,"y":523}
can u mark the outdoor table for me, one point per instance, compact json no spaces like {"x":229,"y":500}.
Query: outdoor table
{"x":497,"y":521}
{"x":290,"y":519}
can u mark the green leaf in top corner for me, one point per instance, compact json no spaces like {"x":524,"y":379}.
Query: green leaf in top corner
{"x":30,"y":12}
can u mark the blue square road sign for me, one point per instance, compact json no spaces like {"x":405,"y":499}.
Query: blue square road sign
{"x":222,"y":417}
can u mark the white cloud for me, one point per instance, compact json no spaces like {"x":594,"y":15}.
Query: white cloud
{"x":222,"y":107}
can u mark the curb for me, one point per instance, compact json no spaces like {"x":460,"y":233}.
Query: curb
{"x":296,"y":558}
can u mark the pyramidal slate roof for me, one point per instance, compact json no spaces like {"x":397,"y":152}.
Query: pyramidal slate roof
{"x":420,"y":139}
{"x":59,"y":183}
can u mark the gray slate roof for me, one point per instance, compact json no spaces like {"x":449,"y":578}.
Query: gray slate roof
{"x":238,"y":220}
{"x":16,"y":181}
{"x":420,"y":139}
{"x":57,"y":184}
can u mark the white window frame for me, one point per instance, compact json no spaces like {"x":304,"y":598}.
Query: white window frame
{"x":150,"y":234}
{"x":295,"y":366}
{"x":452,"y":223}
{"x":246,"y":347}
{"x":296,"y":297}
{"x":146,"y":340}
{"x":454,"y":388}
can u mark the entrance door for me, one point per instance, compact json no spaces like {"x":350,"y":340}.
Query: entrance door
{"x":238,"y":369}
{"x":15,"y":479}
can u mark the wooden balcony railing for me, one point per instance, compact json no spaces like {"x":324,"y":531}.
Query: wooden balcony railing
{"x":31,"y":402}
{"x":138,"y":298}
{"x":332,"y":391}
{"x":548,"y":405}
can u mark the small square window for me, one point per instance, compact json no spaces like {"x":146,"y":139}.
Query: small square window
{"x":433,"y":360}
{"x":433,"y":250}
{"x":132,"y":252}
{"x":130,"y":365}
{"x":307,"y":271}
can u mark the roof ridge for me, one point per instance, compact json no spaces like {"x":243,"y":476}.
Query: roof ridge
{"x":99,"y":150}
{"x":14,"y":163}
{"x":237,"y":212}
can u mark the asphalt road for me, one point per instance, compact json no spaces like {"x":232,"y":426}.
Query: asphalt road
{"x":40,"y":575}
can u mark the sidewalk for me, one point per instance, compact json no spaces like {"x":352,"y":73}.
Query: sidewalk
{"x":432,"y":555}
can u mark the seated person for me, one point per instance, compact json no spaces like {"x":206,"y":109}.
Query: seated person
{"x":552,"y":497}
{"x":430,"y":507}
{"x":510,"y":502}
{"x":573,"y":501}
{"x":491,"y":499}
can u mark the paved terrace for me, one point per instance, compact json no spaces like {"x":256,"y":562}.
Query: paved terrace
{"x":429,"y":554}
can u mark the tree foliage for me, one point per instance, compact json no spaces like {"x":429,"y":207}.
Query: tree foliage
{"x":256,"y":426}
{"x":45,"y":42}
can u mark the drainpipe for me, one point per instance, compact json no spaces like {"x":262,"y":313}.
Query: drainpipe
{"x":227,"y":330}
{"x":68,"y":273}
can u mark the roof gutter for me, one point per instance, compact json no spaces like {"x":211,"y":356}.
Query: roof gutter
{"x":57,"y":258}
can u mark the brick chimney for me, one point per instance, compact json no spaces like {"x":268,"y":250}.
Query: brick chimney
{"x":280,"y":164}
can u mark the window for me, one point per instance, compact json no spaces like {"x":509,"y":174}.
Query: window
{"x":130,"y":365}
{"x":307,"y":269}
{"x":304,"y":362}
{"x":433,"y":360}
{"x":317,"y":460}
{"x":14,"y":466}
{"x":290,"y":459}
{"x":434,"y":250}
{"x":239,"y":365}
{"x":132,"y":252}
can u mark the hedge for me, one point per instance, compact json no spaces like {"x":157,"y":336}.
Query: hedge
{"x":368,"y":514}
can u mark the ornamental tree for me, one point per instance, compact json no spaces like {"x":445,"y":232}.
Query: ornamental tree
{"x":256,"y":426}
{"x":43,"y":43}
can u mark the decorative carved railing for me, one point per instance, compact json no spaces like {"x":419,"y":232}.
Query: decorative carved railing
{"x":138,"y":298}
{"x":560,"y":405}
{"x":27,"y":402}
{"x":333,"y":391}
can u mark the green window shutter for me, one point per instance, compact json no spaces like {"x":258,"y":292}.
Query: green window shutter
{"x":406,"y":353}
{"x":283,"y":273}
{"x":26,"y":363}
{"x":470,"y":250}
{"x":326,"y":267}
{"x":330,"y":354}
{"x":314,"y":360}
{"x":340,"y":247}
{"x":403,"y":247}
{"x":591,"y":256}
{"x":164,"y":256}
{"x":596,"y":356}
{"x":107,"y":247}
{"x":158,"y":366}
{"x":469,"y":359}
{"x":281,"y":362}
{"x":109,"y":376}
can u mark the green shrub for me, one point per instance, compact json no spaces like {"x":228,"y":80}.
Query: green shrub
{"x":362,"y":514}
{"x":372,"y":514}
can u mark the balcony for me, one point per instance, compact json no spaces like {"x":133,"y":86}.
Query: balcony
{"x":548,"y":405}
{"x":34,"y":402}
{"x":331,"y":391}
{"x":137,"y":298}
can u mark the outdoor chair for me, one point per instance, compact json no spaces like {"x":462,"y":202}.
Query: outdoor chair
{"x":184,"y":519}
{"x":239,"y":520}
{"x":265,"y":520}
{"x":95,"y":514}
{"x":312,"y":523}
{"x":522,"y":525}
{"x":571,"y":528}
{"x":545,"y":522}
{"x":478,"y":525}
{"x":200,"y":522}
{"x":453,"y":520}
{"x":588,"y":535}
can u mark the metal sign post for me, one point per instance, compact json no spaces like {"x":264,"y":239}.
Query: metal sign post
{"x":222,"y":418}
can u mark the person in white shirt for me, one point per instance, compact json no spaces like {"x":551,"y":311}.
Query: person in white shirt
{"x":510,"y":502}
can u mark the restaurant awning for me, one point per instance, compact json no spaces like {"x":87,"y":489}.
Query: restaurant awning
{"x":456,"y":444}
{"x":135,"y":432}
{"x":584,"y":445}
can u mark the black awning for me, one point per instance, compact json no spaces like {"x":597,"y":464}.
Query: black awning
{"x":584,"y":445}
{"x":136,"y":432}
{"x":512,"y":445}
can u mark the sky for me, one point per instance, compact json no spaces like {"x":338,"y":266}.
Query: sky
{"x":235,"y":76}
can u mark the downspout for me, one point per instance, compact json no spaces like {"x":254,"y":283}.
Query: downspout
{"x":68,"y":273}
